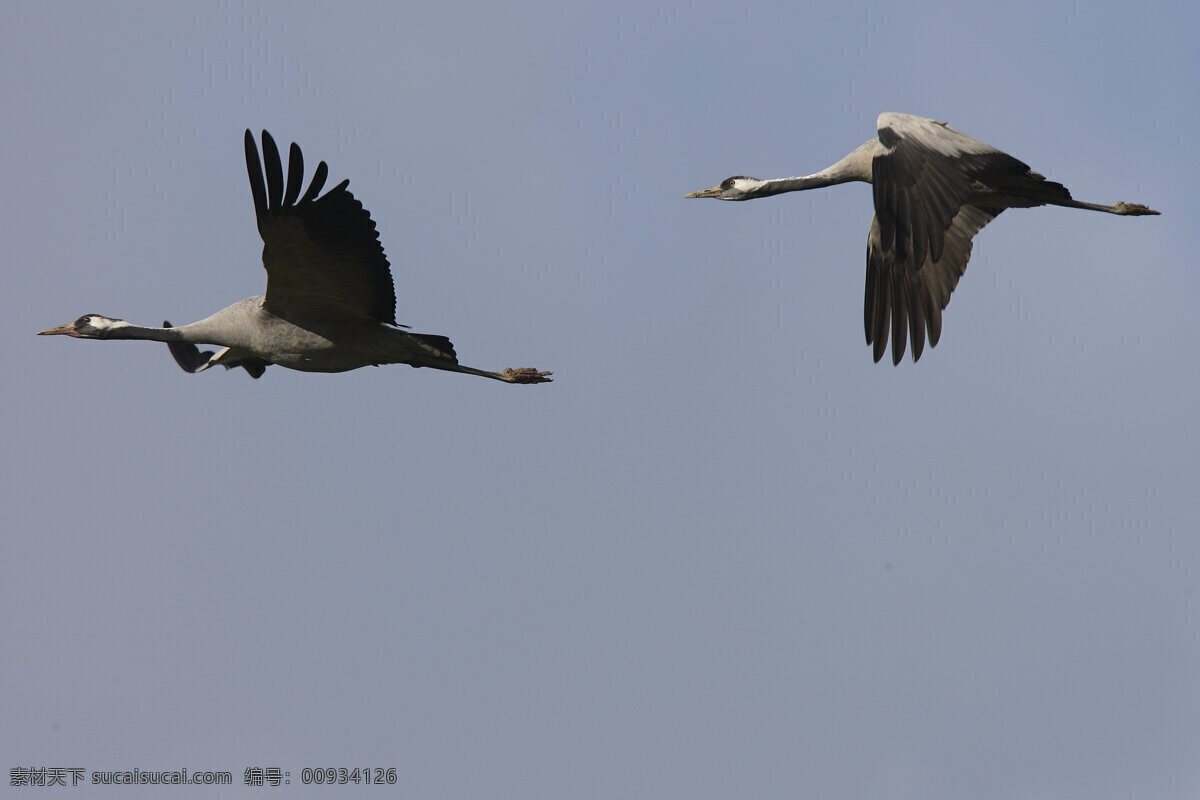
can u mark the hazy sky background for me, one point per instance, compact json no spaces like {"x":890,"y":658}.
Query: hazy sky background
{"x":724,"y":554}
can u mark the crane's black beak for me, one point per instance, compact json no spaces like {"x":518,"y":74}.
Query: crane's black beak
{"x":67,"y":330}
{"x":712,"y":191}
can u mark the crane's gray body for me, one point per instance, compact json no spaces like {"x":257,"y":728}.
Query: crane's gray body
{"x":249,"y":330}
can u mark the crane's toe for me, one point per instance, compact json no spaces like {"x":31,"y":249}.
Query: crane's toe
{"x":525,"y":375}
{"x":1133,"y":209}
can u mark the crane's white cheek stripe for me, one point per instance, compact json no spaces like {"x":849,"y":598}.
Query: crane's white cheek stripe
{"x":105,"y":324}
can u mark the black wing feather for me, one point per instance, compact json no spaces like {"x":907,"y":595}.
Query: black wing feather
{"x":322,"y":254}
{"x":192,"y":359}
{"x":920,"y":240}
{"x":189,"y":357}
{"x":274,"y":173}
{"x":295,"y":180}
{"x":318,"y":183}
{"x":896,"y":292}
{"x":258,"y":187}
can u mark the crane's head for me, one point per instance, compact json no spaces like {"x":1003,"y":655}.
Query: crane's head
{"x":739,"y":187}
{"x":89,"y":326}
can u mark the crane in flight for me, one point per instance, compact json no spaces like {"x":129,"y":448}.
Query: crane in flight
{"x":934,"y":189}
{"x":330,"y":305}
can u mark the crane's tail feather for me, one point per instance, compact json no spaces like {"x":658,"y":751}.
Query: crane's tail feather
{"x":441,"y":344}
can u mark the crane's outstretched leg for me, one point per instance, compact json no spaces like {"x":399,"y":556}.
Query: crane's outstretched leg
{"x":1125,"y":209}
{"x":439,"y":354}
{"x":509,"y":375}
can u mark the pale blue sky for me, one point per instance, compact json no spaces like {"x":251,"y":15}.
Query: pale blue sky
{"x":724,"y":554}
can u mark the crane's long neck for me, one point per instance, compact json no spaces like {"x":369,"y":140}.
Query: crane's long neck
{"x":210,"y":330}
{"x":781,"y":185}
{"x":202,"y":332}
{"x":120,"y":329}
{"x":854,"y":167}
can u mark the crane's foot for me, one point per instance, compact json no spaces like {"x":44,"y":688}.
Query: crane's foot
{"x":1133,"y":209}
{"x":525,"y":375}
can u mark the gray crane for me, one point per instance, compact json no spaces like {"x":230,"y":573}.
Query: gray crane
{"x":330,"y":305}
{"x":934,"y":189}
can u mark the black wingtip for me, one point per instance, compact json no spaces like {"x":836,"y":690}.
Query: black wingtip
{"x":258,"y":187}
{"x":274,"y":170}
{"x":295,"y":177}
{"x":318,"y":183}
{"x":272,"y":191}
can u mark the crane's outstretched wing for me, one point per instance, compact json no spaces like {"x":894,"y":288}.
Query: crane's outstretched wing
{"x":903,"y":300}
{"x":920,"y":238}
{"x":323,"y":257}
